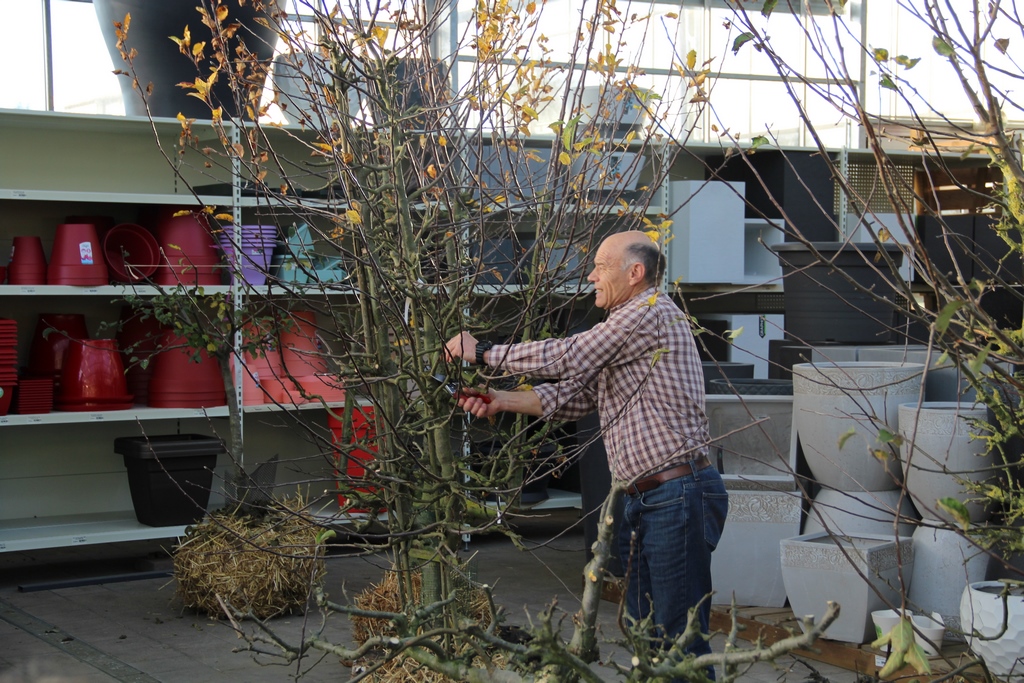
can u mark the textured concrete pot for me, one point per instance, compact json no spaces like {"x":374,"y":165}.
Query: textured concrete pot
{"x":849,"y":513}
{"x":945,"y":562}
{"x":757,"y":523}
{"x":831,"y":399}
{"x":982,"y":615}
{"x":751,"y":440}
{"x":861,"y":573}
{"x":941,"y":450}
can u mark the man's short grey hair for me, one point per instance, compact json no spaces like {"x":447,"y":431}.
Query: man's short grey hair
{"x":650,"y":257}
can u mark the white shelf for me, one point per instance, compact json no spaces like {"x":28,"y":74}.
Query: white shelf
{"x":130,"y":415}
{"x":285,"y":407}
{"x":559,"y":500}
{"x":98,"y":290}
{"x":85,"y":529}
{"x":111,"y":197}
{"x":556,"y":500}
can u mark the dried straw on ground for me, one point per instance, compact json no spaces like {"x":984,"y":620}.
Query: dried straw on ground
{"x":264,"y":567}
{"x":384,"y":597}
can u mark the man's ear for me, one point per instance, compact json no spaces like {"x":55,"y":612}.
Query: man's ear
{"x":636,"y":273}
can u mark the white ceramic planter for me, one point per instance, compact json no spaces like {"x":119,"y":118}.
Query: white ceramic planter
{"x":751,"y":440}
{"x":861,"y":573}
{"x":945,"y":562}
{"x":981,"y":613}
{"x":849,"y":513}
{"x":758,"y":521}
{"x":831,"y":399}
{"x":941,"y":450}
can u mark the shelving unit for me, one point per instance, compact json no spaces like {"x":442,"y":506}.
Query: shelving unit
{"x":59,"y":479}
{"x":60,"y":482}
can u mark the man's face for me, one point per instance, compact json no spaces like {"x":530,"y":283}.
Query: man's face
{"x":611,"y":280}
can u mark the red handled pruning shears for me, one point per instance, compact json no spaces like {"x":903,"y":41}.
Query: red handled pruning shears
{"x":453,"y":388}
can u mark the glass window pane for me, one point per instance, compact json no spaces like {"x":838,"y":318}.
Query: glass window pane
{"x":22,"y":52}
{"x":83,"y":81}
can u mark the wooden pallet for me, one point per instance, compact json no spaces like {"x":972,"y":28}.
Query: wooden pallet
{"x":772,"y":624}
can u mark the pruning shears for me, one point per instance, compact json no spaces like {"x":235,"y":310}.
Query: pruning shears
{"x":457,"y":392}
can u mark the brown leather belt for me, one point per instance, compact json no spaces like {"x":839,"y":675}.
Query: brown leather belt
{"x":658,"y":478}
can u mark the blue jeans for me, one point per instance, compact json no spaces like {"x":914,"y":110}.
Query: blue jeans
{"x":665,"y":544}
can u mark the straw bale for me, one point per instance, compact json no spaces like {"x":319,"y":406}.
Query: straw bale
{"x":265,"y":566}
{"x":384,"y":597}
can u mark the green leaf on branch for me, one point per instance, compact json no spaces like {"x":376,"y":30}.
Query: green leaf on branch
{"x":886,"y":82}
{"x":903,"y":649}
{"x":978,"y":362}
{"x":941,"y":47}
{"x":906,"y":62}
{"x":768,"y":7}
{"x":733,"y":334}
{"x":1002,"y":44}
{"x":569,"y":131}
{"x":757,"y":141}
{"x":885,"y":436}
{"x":741,"y":40}
{"x":880,"y":54}
{"x":946,"y":315}
{"x":957,"y":510}
{"x":843,"y":438}
{"x":325,"y":535}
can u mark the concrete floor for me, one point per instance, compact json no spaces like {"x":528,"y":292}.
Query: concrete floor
{"x":136,"y":631}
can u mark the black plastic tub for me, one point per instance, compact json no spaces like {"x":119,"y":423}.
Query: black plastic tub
{"x":169,"y":476}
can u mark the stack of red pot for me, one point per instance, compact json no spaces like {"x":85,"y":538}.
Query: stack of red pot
{"x":53,"y":335}
{"x":8,"y":362}
{"x":188,"y":251}
{"x":92,"y":378}
{"x":138,"y":336}
{"x":178,"y":381}
{"x":299,"y":374}
{"x":131,"y":252}
{"x":28,"y":262}
{"x":76,"y":257}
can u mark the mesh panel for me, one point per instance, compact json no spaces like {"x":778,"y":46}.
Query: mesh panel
{"x":771,"y":303}
{"x":865,"y":182}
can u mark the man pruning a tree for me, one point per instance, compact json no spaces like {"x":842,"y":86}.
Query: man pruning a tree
{"x":640,"y":370}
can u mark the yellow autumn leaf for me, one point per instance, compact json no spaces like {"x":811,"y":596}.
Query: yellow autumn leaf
{"x":222,"y":13}
{"x":671,"y":15}
{"x":500,"y":199}
{"x":443,"y":141}
{"x":691,"y":59}
{"x":226,"y":217}
{"x":353,"y":217}
{"x":197,"y":49}
{"x":565,"y":159}
{"x":348,"y":157}
{"x":432,"y":171}
{"x":531,"y":7}
{"x":653,"y":234}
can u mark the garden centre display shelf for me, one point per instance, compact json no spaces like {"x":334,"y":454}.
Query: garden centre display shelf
{"x":61,"y":531}
{"x":60,"y":483}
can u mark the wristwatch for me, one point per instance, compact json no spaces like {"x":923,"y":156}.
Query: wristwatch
{"x":481,"y":348}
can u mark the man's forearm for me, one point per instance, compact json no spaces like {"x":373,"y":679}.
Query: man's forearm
{"x":523,"y":402}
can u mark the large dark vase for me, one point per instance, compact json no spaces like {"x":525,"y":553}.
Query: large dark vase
{"x":823,"y":305}
{"x":160,"y":62}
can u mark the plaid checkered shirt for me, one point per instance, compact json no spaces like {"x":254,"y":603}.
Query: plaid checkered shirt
{"x":640,"y":370}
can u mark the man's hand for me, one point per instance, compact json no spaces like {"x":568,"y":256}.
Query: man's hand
{"x":481,"y":402}
{"x":462,"y":345}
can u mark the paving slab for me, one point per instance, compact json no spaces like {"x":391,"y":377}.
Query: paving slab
{"x":98,"y":632}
